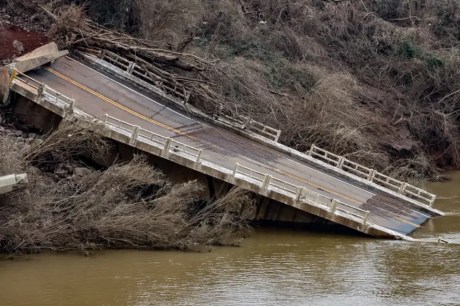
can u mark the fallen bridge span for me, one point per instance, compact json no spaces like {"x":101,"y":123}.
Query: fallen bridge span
{"x":319,"y":183}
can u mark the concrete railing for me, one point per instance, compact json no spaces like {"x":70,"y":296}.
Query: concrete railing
{"x":59,"y":98}
{"x":270,"y":183}
{"x":264,"y":181}
{"x":26,"y":80}
{"x":246,"y":123}
{"x":372,"y":175}
{"x":134,"y":69}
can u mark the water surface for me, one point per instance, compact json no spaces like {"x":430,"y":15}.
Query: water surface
{"x":272,"y":267}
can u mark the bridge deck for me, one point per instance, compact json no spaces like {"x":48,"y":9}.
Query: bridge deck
{"x":97,"y":94}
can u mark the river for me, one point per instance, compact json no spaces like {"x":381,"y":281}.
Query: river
{"x":272,"y":267}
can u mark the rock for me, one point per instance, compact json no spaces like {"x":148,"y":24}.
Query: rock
{"x":18,"y":46}
{"x":82,"y":171}
{"x":18,"y":133}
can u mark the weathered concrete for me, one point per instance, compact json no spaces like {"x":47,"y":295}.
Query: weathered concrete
{"x":40,"y":56}
{"x":214,"y":152}
{"x":9,"y":183}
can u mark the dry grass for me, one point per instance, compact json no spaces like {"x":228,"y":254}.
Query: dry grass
{"x":129,"y":205}
{"x":361,"y":78}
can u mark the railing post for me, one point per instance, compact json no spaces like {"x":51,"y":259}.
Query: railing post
{"x":371,"y":175}
{"x":300,"y":193}
{"x":41,"y":89}
{"x":334,"y":206}
{"x":130,"y":68}
{"x":235,"y":169}
{"x":198,"y":158}
{"x":134,"y":135}
{"x":340,"y":162}
{"x":312,"y":148}
{"x":13,"y":75}
{"x":402,"y":188}
{"x":266,"y":181}
{"x":278,"y":134}
{"x":167,"y":146}
{"x":433,"y":198}
{"x":71,"y":107}
{"x":106,"y":119}
{"x":366,"y":218}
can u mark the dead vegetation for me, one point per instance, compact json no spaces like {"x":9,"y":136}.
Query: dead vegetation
{"x":373,"y":80}
{"x":128,"y":205}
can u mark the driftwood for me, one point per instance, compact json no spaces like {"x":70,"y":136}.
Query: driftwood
{"x":186,"y":76}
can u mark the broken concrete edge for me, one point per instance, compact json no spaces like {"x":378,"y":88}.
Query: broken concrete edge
{"x":191,"y":110}
{"x":12,"y":182}
{"x":223,"y":174}
{"x":38,"y":57}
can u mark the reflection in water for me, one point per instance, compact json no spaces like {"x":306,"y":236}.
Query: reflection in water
{"x":273,"y":267}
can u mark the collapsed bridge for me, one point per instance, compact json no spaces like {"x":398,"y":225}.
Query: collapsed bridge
{"x":128,"y":107}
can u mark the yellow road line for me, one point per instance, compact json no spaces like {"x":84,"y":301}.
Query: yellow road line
{"x":106,"y":99}
{"x":139,"y":115}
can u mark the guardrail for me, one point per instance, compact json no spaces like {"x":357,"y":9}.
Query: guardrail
{"x":372,"y":175}
{"x":136,"y":70}
{"x":133,"y":69}
{"x":42,"y":89}
{"x":58,"y":96}
{"x":246,"y":123}
{"x":16,"y":75}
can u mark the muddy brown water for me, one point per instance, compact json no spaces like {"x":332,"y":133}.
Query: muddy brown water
{"x":272,"y":267}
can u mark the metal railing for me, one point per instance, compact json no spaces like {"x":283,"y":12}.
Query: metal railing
{"x":372,"y":175}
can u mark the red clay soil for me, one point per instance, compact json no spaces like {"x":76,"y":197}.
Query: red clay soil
{"x":30,"y":40}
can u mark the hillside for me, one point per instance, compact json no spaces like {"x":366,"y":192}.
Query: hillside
{"x":377,"y":81}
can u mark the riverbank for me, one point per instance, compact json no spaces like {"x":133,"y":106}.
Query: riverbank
{"x":360,"y":79}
